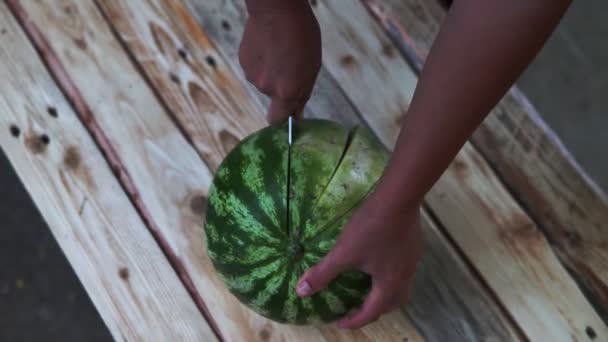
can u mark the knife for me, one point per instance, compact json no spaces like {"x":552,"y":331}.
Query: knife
{"x":290,"y":124}
{"x":289,"y":141}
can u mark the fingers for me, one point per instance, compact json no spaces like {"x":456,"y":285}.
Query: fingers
{"x":320,"y":275}
{"x":286,"y":104}
{"x":299,"y":112}
{"x":402,"y":294}
{"x":378,"y":302}
{"x":401,"y":299}
{"x":385,"y":296}
{"x":279,"y":110}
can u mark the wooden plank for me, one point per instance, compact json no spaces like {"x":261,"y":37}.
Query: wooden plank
{"x":357,"y":54}
{"x":527,"y":155}
{"x":125,"y":273}
{"x":171,"y":180}
{"x":447,"y":299}
{"x":448,"y":302}
{"x":202,"y":92}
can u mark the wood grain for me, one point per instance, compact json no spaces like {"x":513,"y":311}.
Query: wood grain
{"x":171,"y":180}
{"x":125,"y":17}
{"x":125,"y":273}
{"x":200,"y":90}
{"x":511,"y":253}
{"x":446,"y":303}
{"x":473,"y":209}
{"x":528,"y":157}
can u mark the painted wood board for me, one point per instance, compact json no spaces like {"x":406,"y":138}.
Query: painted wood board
{"x":125,"y":273}
{"x":171,"y":179}
{"x":349,"y":30}
{"x":527,"y":155}
{"x":445,"y":303}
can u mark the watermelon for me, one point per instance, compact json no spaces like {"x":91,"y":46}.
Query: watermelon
{"x":261,"y":240}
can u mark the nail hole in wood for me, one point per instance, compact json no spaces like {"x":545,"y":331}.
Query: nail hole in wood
{"x":123,"y":272}
{"x":313,"y":3}
{"x":3,"y":31}
{"x":45,"y":139}
{"x":198,"y":204}
{"x":226,"y":25}
{"x":174,"y":78}
{"x":211,"y":61}
{"x":347,"y":61}
{"x":182,"y":53}
{"x":52,"y":111}
{"x":15,"y":131}
{"x":591,"y":333}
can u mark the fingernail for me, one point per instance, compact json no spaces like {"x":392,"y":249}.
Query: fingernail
{"x":303,"y":288}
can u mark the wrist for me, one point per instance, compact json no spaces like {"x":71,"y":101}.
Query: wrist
{"x":392,"y":202}
{"x":399,"y":189}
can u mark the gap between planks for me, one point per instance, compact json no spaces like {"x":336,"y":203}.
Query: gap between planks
{"x":72,"y":94}
{"x":474,"y":271}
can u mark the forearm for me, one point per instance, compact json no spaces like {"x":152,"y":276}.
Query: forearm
{"x":482,"y":48}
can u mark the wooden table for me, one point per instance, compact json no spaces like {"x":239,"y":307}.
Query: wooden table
{"x":115,"y":114}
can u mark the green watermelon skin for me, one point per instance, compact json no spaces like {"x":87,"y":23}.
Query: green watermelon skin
{"x":258,"y":258}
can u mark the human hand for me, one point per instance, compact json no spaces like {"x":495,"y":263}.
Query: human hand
{"x":280,"y":54}
{"x":381,"y":241}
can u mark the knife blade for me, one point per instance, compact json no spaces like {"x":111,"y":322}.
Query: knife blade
{"x":289,"y":142}
{"x":290,"y":124}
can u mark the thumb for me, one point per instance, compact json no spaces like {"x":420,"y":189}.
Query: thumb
{"x":321,"y":274}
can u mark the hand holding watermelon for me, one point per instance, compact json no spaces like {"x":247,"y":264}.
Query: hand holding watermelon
{"x":381,"y":241}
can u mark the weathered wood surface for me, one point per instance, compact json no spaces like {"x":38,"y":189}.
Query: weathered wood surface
{"x":190,"y":76}
{"x":447,"y":304}
{"x":511,"y":253}
{"x":171,"y":180}
{"x":168,"y":181}
{"x":558,"y":310}
{"x":125,"y":273}
{"x":528,"y":157}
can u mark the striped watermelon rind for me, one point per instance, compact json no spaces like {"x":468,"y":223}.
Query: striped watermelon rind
{"x":258,"y":258}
